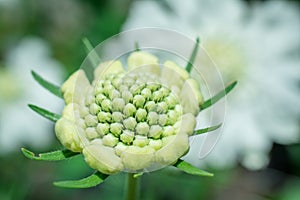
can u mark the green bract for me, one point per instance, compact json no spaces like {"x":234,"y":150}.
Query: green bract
{"x":132,"y":119}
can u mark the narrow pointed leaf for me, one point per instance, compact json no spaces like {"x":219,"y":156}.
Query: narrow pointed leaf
{"x":94,"y":58}
{"x":136,"y":46}
{"x":54,"y":89}
{"x":50,"y":156}
{"x":208,"y":129}
{"x":190,"y":169}
{"x":137,"y":175}
{"x":91,"y":181}
{"x":218,"y":96}
{"x":45,"y":113}
{"x":189,"y":65}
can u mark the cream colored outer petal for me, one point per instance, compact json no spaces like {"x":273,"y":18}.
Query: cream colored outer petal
{"x":144,"y":62}
{"x":190,"y":96}
{"x":108,"y":67}
{"x":173,"y":74}
{"x":188,"y":124}
{"x":75,"y":87}
{"x":137,"y":158}
{"x":102,"y":158}
{"x":174,"y":147}
{"x":68,"y":134}
{"x":71,"y":112}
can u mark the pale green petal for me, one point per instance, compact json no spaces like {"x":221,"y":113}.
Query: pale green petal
{"x":109,"y":67}
{"x":102,"y":158}
{"x":187,"y":124}
{"x":144,"y":62}
{"x":69,"y":134}
{"x":71,"y":112}
{"x":173,"y":74}
{"x":190,"y":96}
{"x":75,"y":87}
{"x":174,"y":147}
{"x":137,"y":158}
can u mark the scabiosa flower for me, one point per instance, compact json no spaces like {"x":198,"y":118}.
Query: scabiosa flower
{"x":132,"y":120}
{"x":135,"y":117}
{"x":258,"y":46}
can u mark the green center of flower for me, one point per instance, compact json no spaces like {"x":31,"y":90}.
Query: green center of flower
{"x":132,"y":109}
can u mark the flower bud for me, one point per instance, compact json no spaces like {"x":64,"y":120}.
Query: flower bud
{"x":110,"y":140}
{"x":152,"y":118}
{"x":118,"y":104}
{"x":130,"y":123}
{"x":138,"y":101}
{"x":127,"y":136}
{"x":116,"y":129}
{"x":94,"y":109}
{"x":140,"y":141}
{"x":142,"y":128}
{"x":117,"y":117}
{"x":141,"y":115}
{"x":102,"y":129}
{"x":104,"y":117}
{"x":129,"y":110}
{"x":91,"y":133}
{"x":106,"y":105}
{"x":91,"y":120}
{"x":155,"y":131}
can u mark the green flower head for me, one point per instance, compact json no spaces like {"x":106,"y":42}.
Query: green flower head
{"x":135,"y":118}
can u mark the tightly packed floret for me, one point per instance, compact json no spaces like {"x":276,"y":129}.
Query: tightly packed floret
{"x":131,"y":120}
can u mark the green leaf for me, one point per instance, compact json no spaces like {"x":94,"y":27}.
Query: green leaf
{"x":137,"y":175}
{"x":136,"y":46}
{"x":47,"y":85}
{"x":208,"y":129}
{"x":91,"y":181}
{"x":218,"y":96}
{"x":45,"y":113}
{"x":94,"y":58}
{"x":190,"y":169}
{"x":50,"y":156}
{"x":189,"y":65}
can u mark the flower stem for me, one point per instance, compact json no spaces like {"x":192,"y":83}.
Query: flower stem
{"x":132,"y":187}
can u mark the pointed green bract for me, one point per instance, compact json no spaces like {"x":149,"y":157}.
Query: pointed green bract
{"x":136,"y":46}
{"x":54,"y":89}
{"x":208,"y":129}
{"x":91,"y":181}
{"x":189,"y":65}
{"x":45,"y":113}
{"x":137,"y":175}
{"x":218,"y":96}
{"x":190,"y":169}
{"x":94,"y":58}
{"x":50,"y":156}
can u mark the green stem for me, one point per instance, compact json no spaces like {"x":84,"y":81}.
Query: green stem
{"x":132,"y":187}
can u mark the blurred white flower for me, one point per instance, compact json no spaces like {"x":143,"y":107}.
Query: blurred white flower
{"x":259,"y":46}
{"x":18,"y":124}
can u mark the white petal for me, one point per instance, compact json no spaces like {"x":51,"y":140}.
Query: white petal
{"x":69,"y":134}
{"x":144,"y":62}
{"x":137,"y":158}
{"x":191,"y":98}
{"x":102,"y":158}
{"x":75,"y":87}
{"x":188,"y":124}
{"x":173,"y":74}
{"x":109,"y":67}
{"x":174,"y":147}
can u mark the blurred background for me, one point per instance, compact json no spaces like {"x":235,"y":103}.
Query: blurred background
{"x":255,"y":42}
